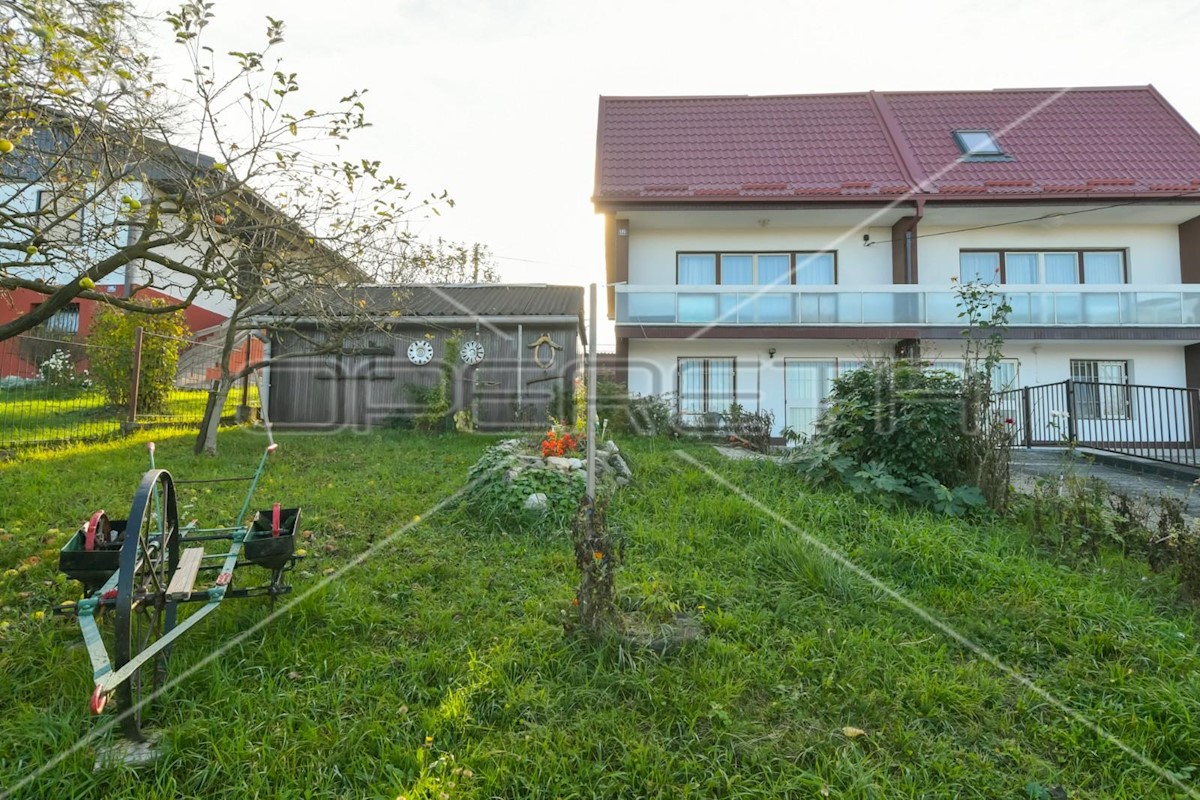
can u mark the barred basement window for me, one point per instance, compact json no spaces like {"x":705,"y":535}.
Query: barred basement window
{"x":65,"y":320}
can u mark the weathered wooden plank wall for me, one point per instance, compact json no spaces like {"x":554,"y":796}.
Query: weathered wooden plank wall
{"x":375,"y":388}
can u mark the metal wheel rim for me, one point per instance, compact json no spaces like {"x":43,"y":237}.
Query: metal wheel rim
{"x":149,"y":557}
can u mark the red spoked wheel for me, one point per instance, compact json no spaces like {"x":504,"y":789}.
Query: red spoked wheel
{"x":144,"y":614}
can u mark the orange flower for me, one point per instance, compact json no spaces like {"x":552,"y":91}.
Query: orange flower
{"x":597,"y":555}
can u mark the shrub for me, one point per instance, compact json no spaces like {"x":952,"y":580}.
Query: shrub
{"x":643,"y":415}
{"x":1074,"y":514}
{"x":110,"y":345}
{"x":896,"y":414}
{"x":436,"y":401}
{"x":753,"y":427}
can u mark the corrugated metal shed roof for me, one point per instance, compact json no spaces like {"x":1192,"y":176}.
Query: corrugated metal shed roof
{"x":1119,"y":141}
{"x":427,"y":300}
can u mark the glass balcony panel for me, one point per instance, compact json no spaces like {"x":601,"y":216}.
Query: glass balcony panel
{"x":1101,"y":309}
{"x":877,"y":307}
{"x":1041,"y":309}
{"x":1068,"y":308}
{"x":817,"y":308}
{"x":648,"y":307}
{"x":849,"y":307}
{"x":729,"y":309}
{"x":1191,"y":308}
{"x":1019,"y":303}
{"x":1158,"y":308}
{"x":701,"y":308}
{"x":941,"y":308}
{"x":775,"y":309}
{"x":782,"y":307}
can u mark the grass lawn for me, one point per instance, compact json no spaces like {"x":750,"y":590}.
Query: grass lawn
{"x":439,"y":667}
{"x":31,"y":415}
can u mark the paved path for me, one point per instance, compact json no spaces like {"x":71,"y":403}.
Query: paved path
{"x":1028,"y":465}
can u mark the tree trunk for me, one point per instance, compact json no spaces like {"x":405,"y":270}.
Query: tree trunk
{"x":206,"y":441}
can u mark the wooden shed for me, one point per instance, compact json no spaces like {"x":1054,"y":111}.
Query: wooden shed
{"x":517,"y":354}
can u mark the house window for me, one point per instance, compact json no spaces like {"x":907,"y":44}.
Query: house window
{"x":808,"y":382}
{"x":979,"y":145}
{"x":1004,"y":374}
{"x":697,"y":269}
{"x":50,"y":206}
{"x":706,"y":388}
{"x":1101,"y":389}
{"x":815,"y":269}
{"x":1050,"y":267}
{"x":65,"y":320}
{"x":756,"y":269}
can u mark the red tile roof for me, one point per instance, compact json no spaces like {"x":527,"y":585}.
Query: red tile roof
{"x":1106,"y":142}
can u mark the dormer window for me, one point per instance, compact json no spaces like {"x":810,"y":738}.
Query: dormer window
{"x":979,"y":145}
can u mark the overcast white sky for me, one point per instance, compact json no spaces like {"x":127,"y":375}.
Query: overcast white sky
{"x":496,"y":101}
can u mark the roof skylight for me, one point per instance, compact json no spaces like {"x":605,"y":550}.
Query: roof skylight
{"x":979,"y":145}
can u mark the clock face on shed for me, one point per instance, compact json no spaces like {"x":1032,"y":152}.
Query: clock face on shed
{"x":420,"y":352}
{"x":471,"y":352}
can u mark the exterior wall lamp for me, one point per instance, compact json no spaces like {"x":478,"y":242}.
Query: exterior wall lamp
{"x":771,"y":352}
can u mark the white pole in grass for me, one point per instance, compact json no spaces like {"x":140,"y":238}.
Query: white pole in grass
{"x":591,"y":398}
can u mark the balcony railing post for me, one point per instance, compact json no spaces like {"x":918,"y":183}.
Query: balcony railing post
{"x":1071,"y":427}
{"x":1026,"y":417}
{"x":1193,"y":413}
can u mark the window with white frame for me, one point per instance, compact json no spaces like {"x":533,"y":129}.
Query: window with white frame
{"x":1052,"y":267}
{"x":756,"y":269}
{"x":1004,"y":373}
{"x":1101,"y":389}
{"x":707,"y":386}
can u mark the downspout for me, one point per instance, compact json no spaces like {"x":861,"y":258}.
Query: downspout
{"x":911,"y":348}
{"x":910,"y":242}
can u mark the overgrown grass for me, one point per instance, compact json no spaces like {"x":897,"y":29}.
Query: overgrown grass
{"x":440,"y":666}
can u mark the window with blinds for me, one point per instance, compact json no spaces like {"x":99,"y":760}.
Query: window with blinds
{"x":706,"y":387}
{"x":756,"y":269}
{"x":1051,"y":267}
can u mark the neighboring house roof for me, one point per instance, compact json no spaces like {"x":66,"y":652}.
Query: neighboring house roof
{"x":430,"y":300}
{"x":876,"y":146}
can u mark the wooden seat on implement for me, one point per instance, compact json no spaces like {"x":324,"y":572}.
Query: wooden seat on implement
{"x":184,"y":578}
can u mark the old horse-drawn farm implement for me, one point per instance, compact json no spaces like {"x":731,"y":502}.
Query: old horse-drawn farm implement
{"x":138,"y":572}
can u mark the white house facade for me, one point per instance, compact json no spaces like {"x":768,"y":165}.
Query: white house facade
{"x":758,"y":246}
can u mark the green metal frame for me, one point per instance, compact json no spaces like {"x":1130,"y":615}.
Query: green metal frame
{"x":103,"y":675}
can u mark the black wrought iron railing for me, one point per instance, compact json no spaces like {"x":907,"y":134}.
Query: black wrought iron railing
{"x":1161,"y":423}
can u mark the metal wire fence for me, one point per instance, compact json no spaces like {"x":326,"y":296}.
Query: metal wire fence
{"x":49,"y":395}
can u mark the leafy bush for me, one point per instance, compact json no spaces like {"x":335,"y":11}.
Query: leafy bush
{"x":1074,"y":515}
{"x":110,"y":345}
{"x":643,"y":415}
{"x":896,"y":414}
{"x":754,"y":427}
{"x":822,"y":463}
{"x":436,"y":401}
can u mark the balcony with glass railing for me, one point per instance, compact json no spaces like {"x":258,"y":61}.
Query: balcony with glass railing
{"x":1035,"y":305}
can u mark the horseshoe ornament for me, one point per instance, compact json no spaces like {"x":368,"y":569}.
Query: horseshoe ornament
{"x":544,"y":341}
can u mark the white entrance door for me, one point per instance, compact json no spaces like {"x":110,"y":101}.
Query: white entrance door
{"x":807,"y":385}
